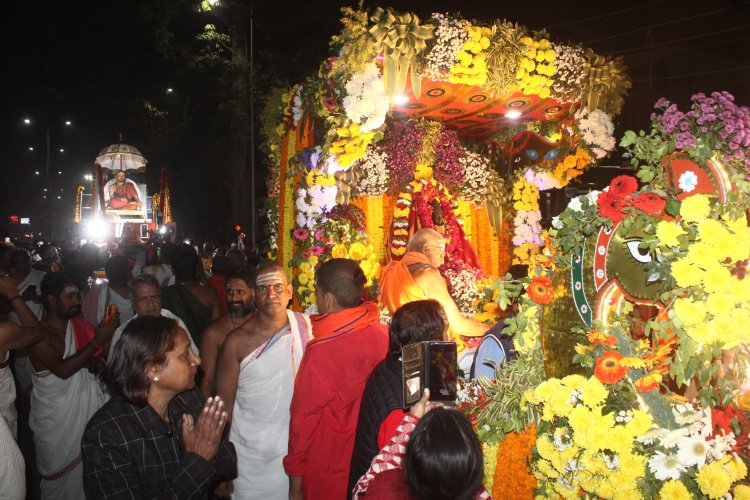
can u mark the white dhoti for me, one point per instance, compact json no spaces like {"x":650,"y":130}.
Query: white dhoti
{"x":260,"y":420}
{"x":24,"y":370}
{"x":8,"y":396}
{"x":60,"y":410}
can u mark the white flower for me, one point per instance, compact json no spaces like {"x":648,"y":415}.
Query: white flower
{"x":665,"y":467}
{"x":670,"y":438}
{"x":575,"y":204}
{"x":297,"y":105}
{"x":692,"y":450}
{"x":366,"y":103}
{"x":593,"y":196}
{"x":556,"y":223}
{"x":597,"y":131}
{"x":688,"y":181}
{"x":311,"y":309}
{"x":372,"y":173}
{"x":476,"y":178}
{"x":613,"y":462}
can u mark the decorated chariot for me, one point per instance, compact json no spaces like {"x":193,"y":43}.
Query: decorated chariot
{"x":631,"y":335}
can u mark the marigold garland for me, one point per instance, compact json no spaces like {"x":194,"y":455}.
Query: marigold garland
{"x":512,"y":479}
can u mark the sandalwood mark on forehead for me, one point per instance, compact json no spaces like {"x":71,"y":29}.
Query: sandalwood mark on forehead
{"x":271,"y":278}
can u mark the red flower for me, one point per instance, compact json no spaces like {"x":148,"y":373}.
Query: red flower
{"x":540,"y":290}
{"x":610,"y":206}
{"x":608,"y":368}
{"x":651,"y":203}
{"x":623,"y":186}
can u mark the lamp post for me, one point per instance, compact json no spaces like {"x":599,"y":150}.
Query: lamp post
{"x":48,"y":160}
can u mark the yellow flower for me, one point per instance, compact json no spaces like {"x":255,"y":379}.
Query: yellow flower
{"x":690,"y":312}
{"x":685,"y":273}
{"x":737,"y":468}
{"x":313,"y":260}
{"x":717,"y":278}
{"x":710,"y":230}
{"x":303,"y":278}
{"x":339,"y":252}
{"x":741,"y":492}
{"x":695,"y":208}
{"x":674,"y":490}
{"x":668,"y":233}
{"x":720,"y":303}
{"x":713,"y":480}
{"x":357,"y":251}
{"x":703,"y":333}
{"x":594,"y":392}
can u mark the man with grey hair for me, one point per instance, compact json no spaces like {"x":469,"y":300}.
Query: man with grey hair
{"x":416,"y":277}
{"x":145,"y":295}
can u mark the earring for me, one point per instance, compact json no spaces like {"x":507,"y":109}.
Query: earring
{"x":156,"y":379}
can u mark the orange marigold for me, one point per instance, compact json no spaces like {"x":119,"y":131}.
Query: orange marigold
{"x":513,"y":479}
{"x":598,"y":338}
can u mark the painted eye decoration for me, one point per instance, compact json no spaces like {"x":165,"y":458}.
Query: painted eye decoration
{"x":551,"y":154}
{"x":640,"y":254}
{"x":532,"y":153}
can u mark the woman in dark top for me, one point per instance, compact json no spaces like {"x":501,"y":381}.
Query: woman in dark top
{"x":156,"y":438}
{"x":382,"y":405}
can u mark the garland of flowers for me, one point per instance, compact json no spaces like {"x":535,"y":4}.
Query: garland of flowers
{"x":471,"y":68}
{"x":571,"y":166}
{"x":449,"y":37}
{"x":536,"y":67}
{"x":448,"y":153}
{"x":527,"y":231}
{"x":402,"y":143}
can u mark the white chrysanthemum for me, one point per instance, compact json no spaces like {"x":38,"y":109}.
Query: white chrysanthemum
{"x":366,"y":103}
{"x":575,"y":204}
{"x":449,"y":37}
{"x":373,"y":174}
{"x":665,"y":467}
{"x":692,"y":450}
{"x":476,"y":178}
{"x":597,"y":131}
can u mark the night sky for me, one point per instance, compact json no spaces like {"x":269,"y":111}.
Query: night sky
{"x":95,"y":63}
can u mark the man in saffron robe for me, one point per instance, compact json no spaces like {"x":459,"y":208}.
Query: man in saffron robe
{"x":348,"y":342}
{"x":123,"y":194}
{"x":416,"y":277}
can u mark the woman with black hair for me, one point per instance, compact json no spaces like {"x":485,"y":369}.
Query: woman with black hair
{"x":442,"y":459}
{"x":381,"y":410}
{"x":156,"y":438}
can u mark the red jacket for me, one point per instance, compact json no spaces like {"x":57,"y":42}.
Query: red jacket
{"x":325,"y":407}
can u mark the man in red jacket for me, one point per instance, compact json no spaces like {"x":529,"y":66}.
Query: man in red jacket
{"x":348,"y":342}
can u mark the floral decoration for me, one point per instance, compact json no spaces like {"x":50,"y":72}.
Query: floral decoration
{"x":476,"y":172}
{"x":569,"y":62}
{"x":597,"y":131}
{"x":536,"y":67}
{"x":373,"y":173}
{"x":450,"y":35}
{"x":365,"y":103}
{"x":471,"y":68}
{"x":527,"y":231}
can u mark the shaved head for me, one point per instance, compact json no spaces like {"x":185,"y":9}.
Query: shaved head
{"x":421,"y":238}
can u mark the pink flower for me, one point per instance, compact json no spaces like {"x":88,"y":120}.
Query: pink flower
{"x":316,"y":250}
{"x":301,"y":234}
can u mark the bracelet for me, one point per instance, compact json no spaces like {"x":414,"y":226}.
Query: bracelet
{"x":14,"y":298}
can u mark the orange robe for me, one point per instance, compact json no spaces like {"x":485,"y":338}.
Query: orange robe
{"x":397,"y":287}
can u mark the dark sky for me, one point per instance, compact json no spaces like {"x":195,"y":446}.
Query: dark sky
{"x":91,"y":61}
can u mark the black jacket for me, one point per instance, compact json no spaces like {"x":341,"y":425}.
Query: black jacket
{"x":383,"y":394}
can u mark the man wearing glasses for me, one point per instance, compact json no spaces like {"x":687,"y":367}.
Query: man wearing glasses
{"x":255,"y":375}
{"x":416,"y":277}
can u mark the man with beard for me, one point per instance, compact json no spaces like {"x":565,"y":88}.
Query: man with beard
{"x":66,"y":393}
{"x":240,"y":306}
{"x":255,"y":378}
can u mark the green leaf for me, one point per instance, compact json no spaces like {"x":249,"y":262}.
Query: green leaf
{"x":673,"y":207}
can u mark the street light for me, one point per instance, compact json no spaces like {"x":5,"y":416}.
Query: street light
{"x":169,"y":90}
{"x":27,"y":121}
{"x":67,"y":122}
{"x":31,"y":148}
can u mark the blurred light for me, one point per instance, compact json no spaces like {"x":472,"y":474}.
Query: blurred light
{"x":62,"y":150}
{"x":45,"y":190}
{"x":45,"y":197}
{"x":163,"y":230}
{"x":512,"y":114}
{"x":27,"y":121}
{"x":213,"y":2}
{"x":88,"y":177}
{"x":238,"y":228}
{"x":96,"y":229}
{"x":99,"y":281}
{"x":36,"y":172}
{"x":400,"y":99}
{"x":58,"y":196}
{"x":59,"y":172}
{"x":169,"y":90}
{"x":31,"y":148}
{"x":187,"y":241}
{"x":67,"y":122}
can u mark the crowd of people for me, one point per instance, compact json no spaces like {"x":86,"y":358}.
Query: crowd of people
{"x":184,"y":373}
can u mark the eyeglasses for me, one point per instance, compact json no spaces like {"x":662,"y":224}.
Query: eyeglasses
{"x":264,"y":289}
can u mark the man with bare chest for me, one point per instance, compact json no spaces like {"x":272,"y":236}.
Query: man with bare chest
{"x":66,"y":392}
{"x":255,"y":377}
{"x":240,"y":305}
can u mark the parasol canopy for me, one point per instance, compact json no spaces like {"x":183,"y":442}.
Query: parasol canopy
{"x":119,"y":156}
